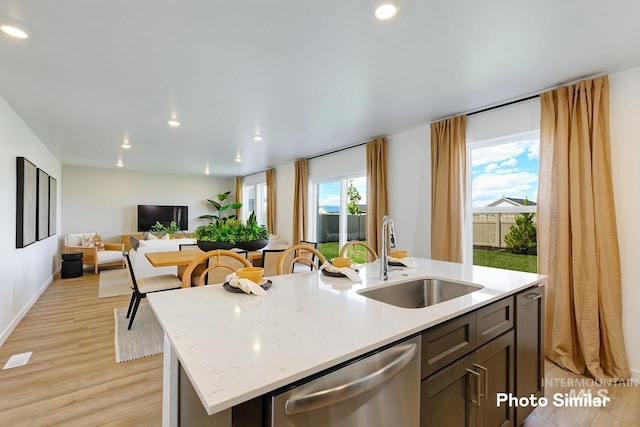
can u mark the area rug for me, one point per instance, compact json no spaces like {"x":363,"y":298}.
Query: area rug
{"x":145,"y":337}
{"x":112,"y":283}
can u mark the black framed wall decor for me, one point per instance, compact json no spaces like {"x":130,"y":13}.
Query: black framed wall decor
{"x":26,"y":202}
{"x":53,"y":205}
{"x":42,"y":209}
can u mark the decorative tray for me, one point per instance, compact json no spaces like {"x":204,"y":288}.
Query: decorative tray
{"x":336,"y":274}
{"x":332,"y":273}
{"x":235,"y":290}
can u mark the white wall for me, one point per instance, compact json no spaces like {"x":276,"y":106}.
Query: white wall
{"x":26,"y":272}
{"x":509,"y":120}
{"x":409,"y":188}
{"x":625,"y":152}
{"x":106,"y":200}
{"x":346,"y":162}
{"x":284,"y":176}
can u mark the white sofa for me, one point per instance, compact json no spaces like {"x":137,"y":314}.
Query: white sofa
{"x":142,"y":267}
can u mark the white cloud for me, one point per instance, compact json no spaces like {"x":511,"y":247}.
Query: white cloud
{"x":490,"y":187}
{"x":490,"y":167}
{"x":511,"y":162}
{"x":534,"y":149}
{"x":502,"y":152}
{"x":330,"y":200}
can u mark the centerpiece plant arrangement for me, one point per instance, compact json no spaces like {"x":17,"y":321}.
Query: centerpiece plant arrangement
{"x":226,"y":231}
{"x":158,"y":228}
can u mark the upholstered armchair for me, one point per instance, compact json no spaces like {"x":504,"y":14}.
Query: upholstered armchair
{"x":94,"y":252}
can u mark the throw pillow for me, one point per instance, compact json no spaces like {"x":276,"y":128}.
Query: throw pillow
{"x":152,"y":237}
{"x":87,"y":240}
{"x":97,"y":242}
{"x":135,"y":242}
{"x":166,"y":237}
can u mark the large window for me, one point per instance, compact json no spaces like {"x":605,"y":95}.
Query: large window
{"x":501,"y":225}
{"x":254,"y":199}
{"x":340,"y":212}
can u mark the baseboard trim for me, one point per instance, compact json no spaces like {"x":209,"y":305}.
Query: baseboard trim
{"x":16,"y":320}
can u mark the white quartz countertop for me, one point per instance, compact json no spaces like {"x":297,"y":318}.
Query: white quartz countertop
{"x":235,"y":347}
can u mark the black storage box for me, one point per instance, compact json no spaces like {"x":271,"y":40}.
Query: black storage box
{"x":71,"y":265}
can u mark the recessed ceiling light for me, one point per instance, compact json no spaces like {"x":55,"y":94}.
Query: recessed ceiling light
{"x":125,"y":144}
{"x":14,"y":32}
{"x":206,"y":171}
{"x":238,"y":158}
{"x":386,"y":10}
{"x":119,"y":164}
{"x":257,"y":137}
{"x":174,"y":123}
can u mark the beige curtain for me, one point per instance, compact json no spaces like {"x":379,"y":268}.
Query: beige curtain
{"x":377,"y":200}
{"x":239,"y":195}
{"x":577,"y":240}
{"x":271,"y":201}
{"x":448,"y":177}
{"x":300,"y":202}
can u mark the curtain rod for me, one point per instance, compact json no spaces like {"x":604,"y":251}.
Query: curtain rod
{"x":503,"y":105}
{"x":256,"y":173}
{"x":336,"y":151}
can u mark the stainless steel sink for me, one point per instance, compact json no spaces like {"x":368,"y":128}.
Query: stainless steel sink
{"x":419,"y":293}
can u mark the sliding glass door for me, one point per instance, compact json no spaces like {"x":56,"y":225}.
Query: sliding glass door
{"x":340,"y":207}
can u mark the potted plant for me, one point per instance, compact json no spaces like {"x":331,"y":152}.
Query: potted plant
{"x":226,"y":231}
{"x":253,"y":236}
{"x":158,"y":228}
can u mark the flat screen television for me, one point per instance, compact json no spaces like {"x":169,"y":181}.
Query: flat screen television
{"x":149,"y":214}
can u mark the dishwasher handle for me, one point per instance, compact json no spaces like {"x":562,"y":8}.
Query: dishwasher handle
{"x":351,"y":389}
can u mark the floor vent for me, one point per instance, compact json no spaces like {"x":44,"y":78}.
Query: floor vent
{"x":18,"y":360}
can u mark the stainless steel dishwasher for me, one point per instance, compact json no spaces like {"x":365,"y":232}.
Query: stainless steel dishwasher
{"x":382,"y":389}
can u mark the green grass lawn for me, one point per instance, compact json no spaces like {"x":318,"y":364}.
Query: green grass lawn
{"x":497,"y":259}
{"x":329,"y":249}
{"x":332,"y":250}
{"x":507,"y":260}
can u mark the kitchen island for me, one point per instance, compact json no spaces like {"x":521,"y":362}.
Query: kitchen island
{"x":236,"y":347}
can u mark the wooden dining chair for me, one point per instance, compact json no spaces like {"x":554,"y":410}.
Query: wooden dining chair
{"x":142,"y":287}
{"x":358,"y":252}
{"x":270,"y":261}
{"x":213,"y":267}
{"x":299,"y":254}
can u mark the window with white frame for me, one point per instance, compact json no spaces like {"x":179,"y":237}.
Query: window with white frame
{"x":502,"y":177}
{"x":254,"y":199}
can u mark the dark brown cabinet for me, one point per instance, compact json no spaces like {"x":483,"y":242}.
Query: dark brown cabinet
{"x":464,"y":393}
{"x":529,"y":347}
{"x":468,"y":360}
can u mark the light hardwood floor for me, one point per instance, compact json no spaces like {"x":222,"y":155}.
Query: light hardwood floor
{"x":72,"y":378}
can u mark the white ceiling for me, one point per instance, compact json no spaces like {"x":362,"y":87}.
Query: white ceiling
{"x":309,"y":76}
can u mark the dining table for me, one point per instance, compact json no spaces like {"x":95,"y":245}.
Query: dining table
{"x":171,"y":258}
{"x":182,"y":259}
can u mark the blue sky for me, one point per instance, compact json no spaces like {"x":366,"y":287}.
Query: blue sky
{"x":509,"y":170}
{"x":329,"y":192}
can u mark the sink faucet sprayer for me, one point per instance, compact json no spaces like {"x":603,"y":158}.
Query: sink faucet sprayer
{"x":387,"y":222}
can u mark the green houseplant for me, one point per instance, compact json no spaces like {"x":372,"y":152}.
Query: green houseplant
{"x":226,"y":231}
{"x":161,"y":229}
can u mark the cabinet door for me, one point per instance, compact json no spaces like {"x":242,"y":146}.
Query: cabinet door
{"x":529,"y":347}
{"x":494,"y":361}
{"x":447,"y":397}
